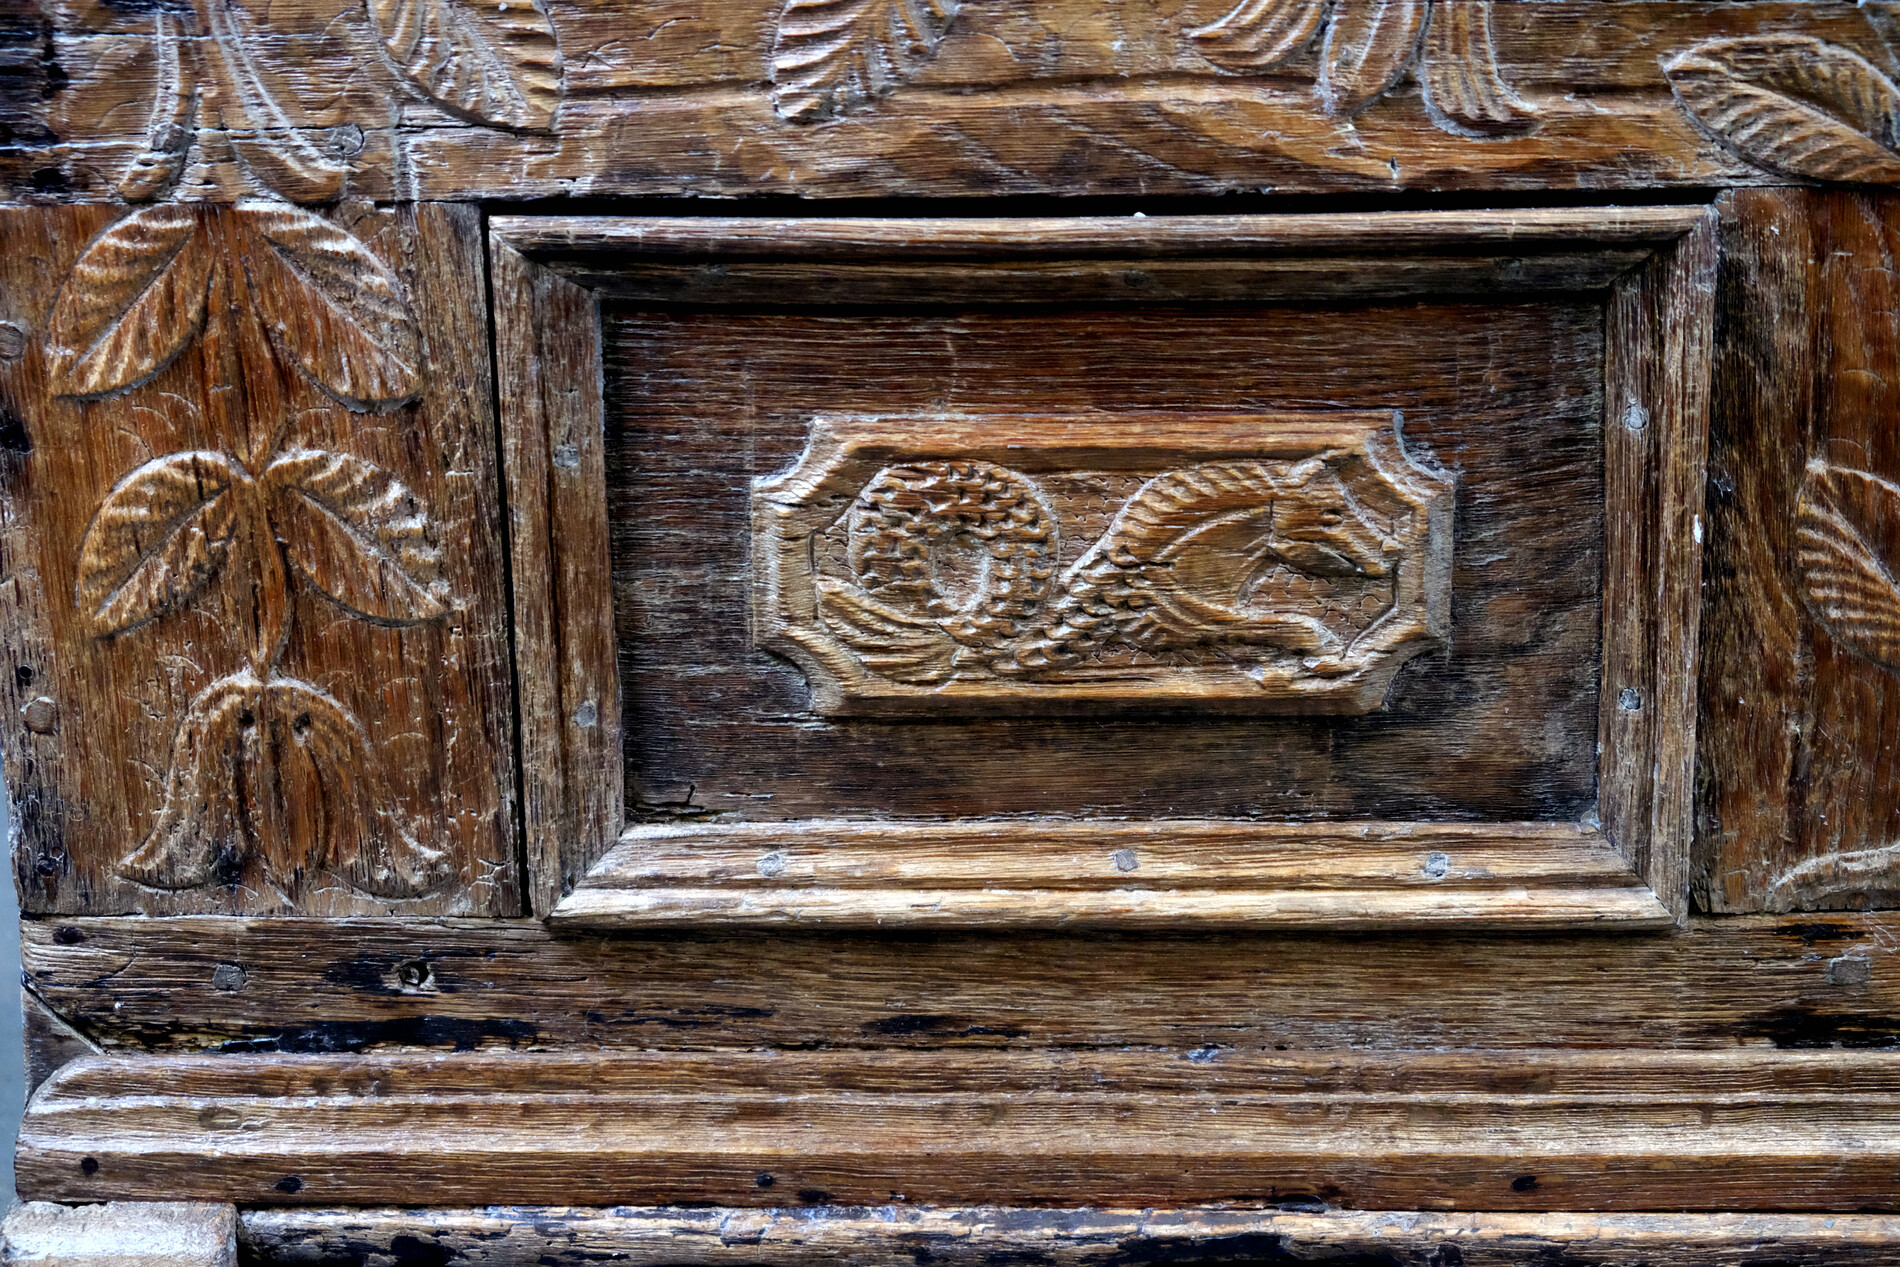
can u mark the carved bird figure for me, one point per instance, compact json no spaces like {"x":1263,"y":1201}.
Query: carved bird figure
{"x":1176,"y":567}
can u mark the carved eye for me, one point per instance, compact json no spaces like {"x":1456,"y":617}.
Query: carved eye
{"x":1332,"y":516}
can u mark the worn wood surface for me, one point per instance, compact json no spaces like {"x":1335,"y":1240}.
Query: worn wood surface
{"x":547,"y":350}
{"x":120,"y":1234}
{"x":897,"y":1236}
{"x":173,"y":985}
{"x":1602,"y":1130}
{"x":253,"y":598}
{"x":323,"y":98}
{"x":1800,"y":693}
{"x":1160,"y":875}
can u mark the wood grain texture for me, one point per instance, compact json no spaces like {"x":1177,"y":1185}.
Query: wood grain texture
{"x":894,"y":1236}
{"x":297,"y":985}
{"x":450,"y":101}
{"x":1799,"y":805}
{"x":547,"y":347}
{"x":702,"y":398}
{"x":121,"y":1234}
{"x":1605,"y":1130}
{"x":1160,"y":875}
{"x":253,"y":604}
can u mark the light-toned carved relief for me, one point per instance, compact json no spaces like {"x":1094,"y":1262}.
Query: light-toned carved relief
{"x":261,"y":763}
{"x":1367,"y":46}
{"x":1288,"y":563}
{"x":1846,"y":524}
{"x":498,"y":65}
{"x":138,"y":296}
{"x":1793,"y":104}
{"x":831,"y":57}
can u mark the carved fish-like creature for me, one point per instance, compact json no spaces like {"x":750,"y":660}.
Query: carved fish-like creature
{"x":1176,"y":566}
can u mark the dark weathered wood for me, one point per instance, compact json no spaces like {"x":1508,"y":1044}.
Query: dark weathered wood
{"x":1801,"y":799}
{"x":547,"y":347}
{"x":1602,"y":1130}
{"x":323,"y":98}
{"x":355,"y":985}
{"x":897,"y":1236}
{"x":257,"y":658}
{"x":1502,"y":398}
{"x":50,"y":1042}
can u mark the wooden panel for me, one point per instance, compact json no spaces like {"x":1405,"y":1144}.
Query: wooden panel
{"x":1800,"y":695}
{"x":1080,"y":409}
{"x":896,"y":1236}
{"x":323,"y":98}
{"x":1011,"y":564}
{"x":253,"y":611}
{"x":355,"y":985}
{"x":1609,"y":1130}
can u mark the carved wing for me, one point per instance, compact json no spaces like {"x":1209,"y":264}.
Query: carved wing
{"x":357,"y":534}
{"x":833,"y":56}
{"x":1794,"y":104}
{"x":134,"y":299}
{"x":157,"y":538}
{"x":1843,"y":520}
{"x":891,"y":644}
{"x":204,"y":829}
{"x":501,"y":66}
{"x":1259,"y":34}
{"x":339,"y":804}
{"x":332,"y":307}
{"x":1368,"y":46}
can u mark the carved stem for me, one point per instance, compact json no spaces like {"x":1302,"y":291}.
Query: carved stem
{"x":270,"y":583}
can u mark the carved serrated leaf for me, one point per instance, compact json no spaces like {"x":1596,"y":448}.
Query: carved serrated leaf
{"x":134,"y":299}
{"x":204,"y":828}
{"x":168,"y":132}
{"x":1794,"y":104}
{"x":1458,"y":74}
{"x":332,"y":307}
{"x":1259,"y":34}
{"x":1369,"y":44}
{"x":159,"y":536}
{"x":497,"y":65}
{"x":891,"y":644}
{"x":357,"y":534}
{"x":833,"y":56}
{"x":282,"y":154}
{"x":330,"y":784}
{"x":1847,"y":524}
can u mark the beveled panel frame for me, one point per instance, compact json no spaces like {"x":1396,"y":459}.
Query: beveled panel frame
{"x":1624,"y":866}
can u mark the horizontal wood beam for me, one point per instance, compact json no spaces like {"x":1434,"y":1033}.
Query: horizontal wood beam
{"x":1588,"y":1130}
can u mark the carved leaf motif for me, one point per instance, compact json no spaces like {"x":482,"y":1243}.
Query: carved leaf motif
{"x":1458,"y":74}
{"x":1847,"y":523}
{"x":1368,"y":46}
{"x":333,"y":791}
{"x":281,"y":153}
{"x":204,"y":829}
{"x":501,"y":67}
{"x":135,"y":298}
{"x":159,"y":536}
{"x":1793,"y":103}
{"x":1259,"y":34}
{"x":895,"y":645}
{"x":168,"y":133}
{"x":332,"y":307}
{"x":833,"y":56}
{"x":357,"y":534}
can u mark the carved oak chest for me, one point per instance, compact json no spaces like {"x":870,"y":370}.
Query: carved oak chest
{"x":796,"y":632}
